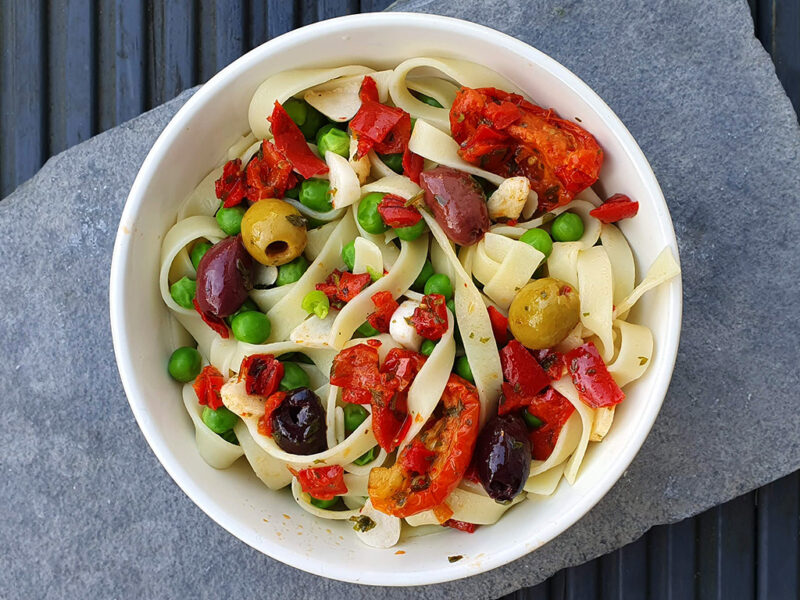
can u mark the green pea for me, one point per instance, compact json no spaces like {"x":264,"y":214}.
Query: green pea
{"x":539,"y":239}
{"x":295,"y":357}
{"x":368,"y":215}
{"x":184,"y":364}
{"x":183,"y":292}
{"x":367,"y":330}
{"x":314,"y":121}
{"x":297,"y":110}
{"x":366,"y":458}
{"x":567,"y":227}
{"x":197,"y":253}
{"x":307,"y":118}
{"x":324,"y":503}
{"x":329,"y":137}
{"x":229,"y":436}
{"x":316,"y":302}
{"x":293,"y":193}
{"x":439,"y":284}
{"x":424,"y":274}
{"x":292,"y":271}
{"x":349,"y":255}
{"x":393,"y":161}
{"x":427,"y":99}
{"x":293,"y":377}
{"x":251,"y":327}
{"x":246,"y":307}
{"x":314,"y":194}
{"x":427,"y":347}
{"x":412,"y":232}
{"x":462,"y":368}
{"x":220,"y":420}
{"x":230,"y":219}
{"x":354,"y":416}
{"x":531,"y":421}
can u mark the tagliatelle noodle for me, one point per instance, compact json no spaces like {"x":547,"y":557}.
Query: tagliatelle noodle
{"x":475,"y":327}
{"x":468,"y":507}
{"x":563,"y":262}
{"x":272,"y":472}
{"x":345,"y":188}
{"x":595,"y":288}
{"x":317,"y":237}
{"x":568,"y":439}
{"x":544,"y":484}
{"x":367,"y":256}
{"x":399,"y":185}
{"x":217,"y":452}
{"x":440,"y":261}
{"x":635,"y":352}
{"x":566,"y":388}
{"x":619,"y":253}
{"x":326,"y":217}
{"x":399,"y":278}
{"x":240,"y":145}
{"x":282,"y":86}
{"x":288,"y":313}
{"x":304,"y":500}
{"x":664,"y":268}
{"x":314,"y":332}
{"x":517,"y":263}
{"x":339,"y":99}
{"x":203,"y":199}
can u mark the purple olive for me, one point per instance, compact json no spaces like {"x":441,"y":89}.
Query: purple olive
{"x":223,"y":277}
{"x":503,"y":457}
{"x":457,"y":202}
{"x":298,"y":423}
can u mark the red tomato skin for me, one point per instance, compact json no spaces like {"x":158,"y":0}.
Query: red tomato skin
{"x":553,"y":409}
{"x":265,"y":421}
{"x":207,"y":386}
{"x":430,"y":317}
{"x":323,"y":483}
{"x":385,"y":305}
{"x":521,"y":369}
{"x":262,"y":374}
{"x":596,"y":388}
{"x":395,"y":212}
{"x":291,"y":142}
{"x":616,"y":208}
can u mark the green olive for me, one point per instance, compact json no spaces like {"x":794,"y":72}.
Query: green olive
{"x":543,"y":313}
{"x":273,"y":232}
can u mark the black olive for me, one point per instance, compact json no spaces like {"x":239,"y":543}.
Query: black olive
{"x":503,"y":457}
{"x":298,"y":423}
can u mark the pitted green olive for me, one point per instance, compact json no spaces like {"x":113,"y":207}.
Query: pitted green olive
{"x":273,"y":232}
{"x":543,"y":313}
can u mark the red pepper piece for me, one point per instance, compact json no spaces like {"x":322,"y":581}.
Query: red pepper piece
{"x":265,"y":421}
{"x":513,"y":398}
{"x":594,"y":383}
{"x":269,"y":174}
{"x":616,"y":208}
{"x":322,"y":483}
{"x":521,"y":370}
{"x":400,"y":367}
{"x":212,"y":321}
{"x":207,"y":386}
{"x":396,"y":212}
{"x":499,"y":325}
{"x":369,"y":90}
{"x":553,"y":410}
{"x":341,"y":287}
{"x":417,"y":459}
{"x":552,"y":362}
{"x":460,"y":525}
{"x":385,"y":305}
{"x":430,"y":317}
{"x":396,"y":140}
{"x":230,"y":187}
{"x":292,"y":144}
{"x":262,"y":374}
{"x":356,"y":368}
{"x":375,"y":120}
{"x":412,"y":165}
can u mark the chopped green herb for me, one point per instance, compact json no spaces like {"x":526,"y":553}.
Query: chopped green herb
{"x":362,"y":523}
{"x":642,"y":361}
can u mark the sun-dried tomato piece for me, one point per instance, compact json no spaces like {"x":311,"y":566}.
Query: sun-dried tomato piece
{"x":356,"y":368}
{"x":499,"y":325}
{"x":594,"y":383}
{"x":207,"y":386}
{"x":412,"y":165}
{"x":322,"y":483}
{"x":269,"y":174}
{"x":616,"y":208}
{"x":262,"y":374}
{"x":341,"y":287}
{"x":418,"y":459}
{"x":216,"y":323}
{"x":400,"y":367}
{"x":553,"y":410}
{"x":396,"y":212}
{"x":373,"y":122}
{"x":430,"y":317}
{"x":292,"y":144}
{"x":521,"y":369}
{"x":385,"y":305}
{"x":460,"y":525}
{"x":231,"y":187}
{"x":265,"y":421}
{"x":368,"y":90}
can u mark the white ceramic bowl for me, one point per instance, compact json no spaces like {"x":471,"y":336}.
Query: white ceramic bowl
{"x":195,"y":141}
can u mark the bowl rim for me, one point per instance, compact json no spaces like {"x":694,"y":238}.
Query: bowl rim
{"x":126,"y":367}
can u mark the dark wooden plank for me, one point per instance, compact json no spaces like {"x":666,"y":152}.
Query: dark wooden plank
{"x":623,"y":574}
{"x":23,"y":92}
{"x":671,"y":561}
{"x":70,"y":74}
{"x":223,"y":35}
{"x":256,"y":23}
{"x":282,"y":16}
{"x":122,"y":85}
{"x":726,"y":551}
{"x":328,"y":9}
{"x":171,"y":45}
{"x":582,"y":582}
{"x":374,"y":5}
{"x":778,"y":28}
{"x":778,"y":534}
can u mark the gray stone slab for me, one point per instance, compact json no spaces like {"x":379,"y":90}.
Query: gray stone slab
{"x":88,"y":511}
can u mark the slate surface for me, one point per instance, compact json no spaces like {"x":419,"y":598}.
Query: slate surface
{"x":87,"y":510}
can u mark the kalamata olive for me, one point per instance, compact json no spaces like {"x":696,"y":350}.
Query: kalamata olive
{"x":223,"y":277}
{"x":298,"y":424}
{"x":457,"y":202}
{"x":503,"y":457}
{"x":544,"y":312}
{"x":274,"y":232}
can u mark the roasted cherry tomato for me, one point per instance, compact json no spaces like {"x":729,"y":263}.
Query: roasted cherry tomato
{"x":385,"y":305}
{"x":322,"y":483}
{"x":231,"y":186}
{"x":396,"y":212}
{"x":207,"y":386}
{"x":262,"y":374}
{"x":430,"y":317}
{"x":355,"y":370}
{"x":341,"y":287}
{"x":451,"y":435}
{"x":594,"y":383}
{"x":505,"y":134}
{"x":268,"y":174}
